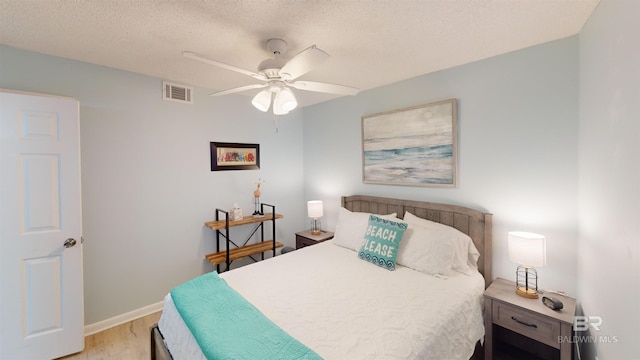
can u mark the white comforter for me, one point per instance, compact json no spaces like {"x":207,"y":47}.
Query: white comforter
{"x":345,"y":308}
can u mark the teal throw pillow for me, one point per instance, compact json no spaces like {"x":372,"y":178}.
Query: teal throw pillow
{"x":382,"y":241}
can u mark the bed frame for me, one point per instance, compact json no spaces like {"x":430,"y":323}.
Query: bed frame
{"x":476,"y":224}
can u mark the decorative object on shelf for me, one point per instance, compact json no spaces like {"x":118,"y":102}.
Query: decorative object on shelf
{"x":415,"y":146}
{"x":234,"y":156}
{"x":528,"y":250}
{"x":256,"y":200}
{"x":235,"y":213}
{"x":314,"y":211}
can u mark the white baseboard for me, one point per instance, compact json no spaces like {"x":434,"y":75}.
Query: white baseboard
{"x":122,"y":318}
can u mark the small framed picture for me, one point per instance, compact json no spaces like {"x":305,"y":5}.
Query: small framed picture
{"x":234,"y":156}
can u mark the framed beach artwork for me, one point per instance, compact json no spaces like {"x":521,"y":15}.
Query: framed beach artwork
{"x":416,"y":146}
{"x":234,"y":156}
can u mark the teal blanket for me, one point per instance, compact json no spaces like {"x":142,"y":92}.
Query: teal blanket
{"x":227,"y":326}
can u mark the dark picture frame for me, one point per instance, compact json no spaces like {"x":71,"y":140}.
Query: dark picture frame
{"x":234,"y":156}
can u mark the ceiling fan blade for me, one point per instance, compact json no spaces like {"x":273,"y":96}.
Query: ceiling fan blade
{"x":324,"y":87}
{"x":303,"y":62}
{"x":198,"y":57}
{"x":239,"y":89}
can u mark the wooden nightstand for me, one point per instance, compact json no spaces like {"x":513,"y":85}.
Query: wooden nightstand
{"x":526,"y":323}
{"x":305,"y":238}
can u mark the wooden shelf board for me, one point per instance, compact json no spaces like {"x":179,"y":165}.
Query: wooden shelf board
{"x":221,"y":224}
{"x":237,"y":253}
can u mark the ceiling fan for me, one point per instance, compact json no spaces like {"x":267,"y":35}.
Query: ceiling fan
{"x":279,"y":75}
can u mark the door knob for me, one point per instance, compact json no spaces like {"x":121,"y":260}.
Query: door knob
{"x":69,"y":243}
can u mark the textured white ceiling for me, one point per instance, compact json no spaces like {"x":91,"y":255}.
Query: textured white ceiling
{"x":371,"y":43}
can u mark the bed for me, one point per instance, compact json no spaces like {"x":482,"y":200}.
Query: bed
{"x":339,"y":306}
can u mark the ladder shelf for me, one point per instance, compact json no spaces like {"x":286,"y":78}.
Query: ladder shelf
{"x":221,"y":228}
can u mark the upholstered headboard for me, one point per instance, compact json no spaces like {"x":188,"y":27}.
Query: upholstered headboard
{"x":474,"y":223}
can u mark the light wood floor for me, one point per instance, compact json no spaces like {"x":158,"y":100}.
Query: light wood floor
{"x":127,"y":341}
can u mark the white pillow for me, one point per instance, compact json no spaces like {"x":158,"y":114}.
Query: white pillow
{"x":427,"y":250}
{"x":351,"y":227}
{"x":465,"y":255}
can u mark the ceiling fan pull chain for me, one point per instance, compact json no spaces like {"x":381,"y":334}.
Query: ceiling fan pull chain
{"x":275,"y":122}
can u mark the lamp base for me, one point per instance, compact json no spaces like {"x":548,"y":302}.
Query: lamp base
{"x":315,"y":226}
{"x":527,"y":282}
{"x":528,"y":293}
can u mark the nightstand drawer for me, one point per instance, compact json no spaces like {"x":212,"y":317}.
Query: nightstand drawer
{"x":306,"y":238}
{"x":527,"y":323}
{"x":303,"y":241}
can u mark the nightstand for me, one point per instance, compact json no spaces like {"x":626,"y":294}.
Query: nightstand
{"x":305,"y":238}
{"x":526,"y":323}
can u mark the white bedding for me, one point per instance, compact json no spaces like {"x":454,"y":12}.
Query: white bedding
{"x":345,"y":308}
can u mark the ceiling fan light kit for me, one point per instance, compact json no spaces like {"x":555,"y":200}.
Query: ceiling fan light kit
{"x":278,"y":76}
{"x":283,"y":99}
{"x":284,"y":102}
{"x":262,"y":101}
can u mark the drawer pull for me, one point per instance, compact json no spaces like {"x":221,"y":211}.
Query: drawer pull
{"x":524,"y":323}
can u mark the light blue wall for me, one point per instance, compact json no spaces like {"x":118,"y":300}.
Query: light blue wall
{"x":146,"y":180}
{"x":609,"y":247}
{"x":518,"y":143}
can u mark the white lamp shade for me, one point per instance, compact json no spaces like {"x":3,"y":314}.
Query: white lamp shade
{"x":284,"y":102}
{"x":527,"y":249}
{"x":314,"y":209}
{"x":262,"y":101}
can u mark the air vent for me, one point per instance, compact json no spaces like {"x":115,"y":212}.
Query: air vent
{"x":176,"y":92}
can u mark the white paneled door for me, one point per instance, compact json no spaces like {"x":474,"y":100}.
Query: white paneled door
{"x":41,"y":294}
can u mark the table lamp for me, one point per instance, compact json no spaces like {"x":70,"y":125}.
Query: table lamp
{"x":528,"y":250}
{"x":314,"y":211}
